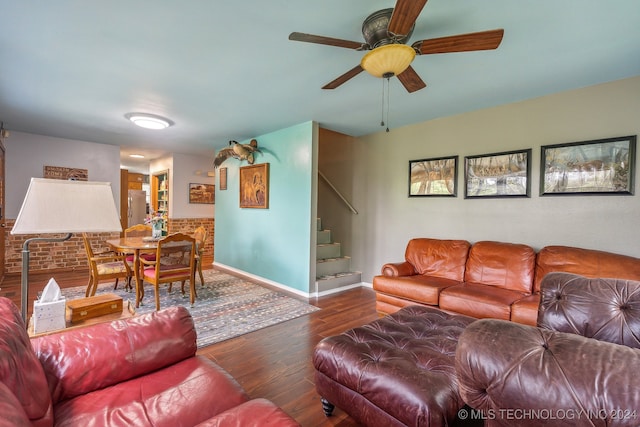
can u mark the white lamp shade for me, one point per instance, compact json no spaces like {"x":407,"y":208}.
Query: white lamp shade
{"x":58,"y":206}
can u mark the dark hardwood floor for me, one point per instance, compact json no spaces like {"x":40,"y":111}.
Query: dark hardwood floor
{"x":274,"y":362}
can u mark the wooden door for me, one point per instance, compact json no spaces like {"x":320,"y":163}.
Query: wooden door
{"x":124,"y":200}
{"x":2,"y":218}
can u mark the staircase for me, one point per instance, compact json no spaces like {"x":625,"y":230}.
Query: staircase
{"x":333,"y":270}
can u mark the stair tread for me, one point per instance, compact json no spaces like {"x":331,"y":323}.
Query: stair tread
{"x":341,"y":274}
{"x":333,"y":259}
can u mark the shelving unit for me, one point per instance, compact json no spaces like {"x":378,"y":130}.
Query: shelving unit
{"x":160,"y":196}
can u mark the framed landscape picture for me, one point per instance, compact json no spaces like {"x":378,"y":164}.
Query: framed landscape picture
{"x":202,"y":193}
{"x":433,"y":177}
{"x":254,"y":186}
{"x":603,"y":166}
{"x":498,"y":175}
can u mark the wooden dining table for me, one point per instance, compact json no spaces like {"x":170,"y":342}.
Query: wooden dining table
{"x":135,"y":246}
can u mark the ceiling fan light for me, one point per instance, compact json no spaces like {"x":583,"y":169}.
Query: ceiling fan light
{"x":149,"y":121}
{"x":390,"y":58}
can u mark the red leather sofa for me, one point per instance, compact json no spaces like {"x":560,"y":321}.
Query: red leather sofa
{"x":141,"y":371}
{"x":487,"y":279}
{"x":577,"y":368}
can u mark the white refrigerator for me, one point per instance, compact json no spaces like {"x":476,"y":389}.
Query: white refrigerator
{"x":136,"y":207}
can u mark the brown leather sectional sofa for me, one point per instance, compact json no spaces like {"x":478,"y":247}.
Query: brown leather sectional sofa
{"x":487,"y":279}
{"x":577,"y":368}
{"x":421,"y":366}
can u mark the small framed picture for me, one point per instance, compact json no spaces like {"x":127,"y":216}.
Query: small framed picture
{"x":504,"y":174}
{"x":603,"y":166}
{"x":433,"y":177}
{"x":202,"y":193}
{"x":223,"y":178}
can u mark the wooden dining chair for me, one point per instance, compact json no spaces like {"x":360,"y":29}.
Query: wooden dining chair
{"x":200,"y":234}
{"x":175,"y":262}
{"x":103,"y":266}
{"x":138,"y":230}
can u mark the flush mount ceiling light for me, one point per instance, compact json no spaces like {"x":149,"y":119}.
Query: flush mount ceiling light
{"x":149,"y":121}
{"x":136,"y":156}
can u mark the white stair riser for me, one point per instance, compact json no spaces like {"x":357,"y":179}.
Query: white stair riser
{"x":332,"y":267}
{"x":329,"y":250}
{"x":324,"y":236}
{"x":337,"y":282}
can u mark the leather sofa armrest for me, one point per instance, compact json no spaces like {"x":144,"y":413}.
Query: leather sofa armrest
{"x":82,"y":360}
{"x":11,"y":409}
{"x":396,"y":269}
{"x":507,"y":369}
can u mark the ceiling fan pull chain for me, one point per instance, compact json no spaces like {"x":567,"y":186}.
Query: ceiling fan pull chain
{"x":382,"y":109}
{"x":388,"y":96}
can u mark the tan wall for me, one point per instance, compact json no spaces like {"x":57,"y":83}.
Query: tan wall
{"x":389,"y":218}
{"x":335,"y":153}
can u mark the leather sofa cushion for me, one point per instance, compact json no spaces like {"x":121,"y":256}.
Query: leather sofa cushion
{"x":420,"y":288}
{"x":505,"y":365}
{"x":140,"y":344}
{"x":438,"y":258}
{"x":478,"y":300}
{"x":503,"y":265}
{"x":585,"y":262}
{"x":604,"y":309}
{"x":20,"y":370}
{"x":525,"y":310}
{"x":157,"y":399}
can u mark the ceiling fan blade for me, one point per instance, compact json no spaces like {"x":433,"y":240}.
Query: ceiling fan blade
{"x":310,"y":38}
{"x":344,"y":78}
{"x":404,"y":16}
{"x":483,"y":40}
{"x":411,"y":80}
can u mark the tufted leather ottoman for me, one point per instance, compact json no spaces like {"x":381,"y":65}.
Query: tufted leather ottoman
{"x":398,"y":370}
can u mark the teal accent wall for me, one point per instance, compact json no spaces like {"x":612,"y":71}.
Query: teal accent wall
{"x":273,"y":243}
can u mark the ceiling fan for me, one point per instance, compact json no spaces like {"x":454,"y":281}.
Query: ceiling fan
{"x":386,"y":32}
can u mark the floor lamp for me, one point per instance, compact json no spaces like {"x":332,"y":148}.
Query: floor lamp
{"x":53,"y":206}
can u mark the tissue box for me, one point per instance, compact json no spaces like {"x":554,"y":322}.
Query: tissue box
{"x":48,"y":316}
{"x":86,"y":308}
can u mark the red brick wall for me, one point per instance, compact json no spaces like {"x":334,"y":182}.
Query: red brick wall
{"x":188,"y":225}
{"x":67,"y":255}
{"x":70,"y":254}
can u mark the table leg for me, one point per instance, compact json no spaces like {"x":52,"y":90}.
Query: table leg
{"x":136,"y":267}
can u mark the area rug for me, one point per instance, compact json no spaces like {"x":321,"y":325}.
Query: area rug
{"x":226,"y":306}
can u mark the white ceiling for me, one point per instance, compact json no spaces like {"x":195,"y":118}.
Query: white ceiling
{"x":226,"y":70}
